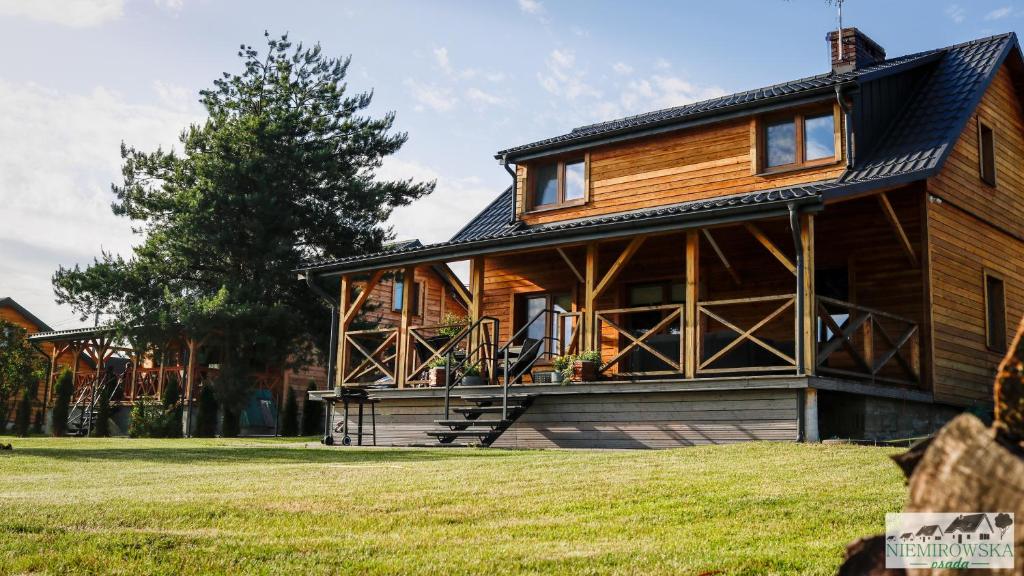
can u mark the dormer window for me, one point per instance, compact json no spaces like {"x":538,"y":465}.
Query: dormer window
{"x":798,"y":139}
{"x":558,"y":183}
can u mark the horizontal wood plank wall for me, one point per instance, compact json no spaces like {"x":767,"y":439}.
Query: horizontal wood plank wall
{"x":66,"y":360}
{"x":655,"y":420}
{"x":436,"y":301}
{"x":688,"y":165}
{"x":959,"y":181}
{"x":400,"y":422}
{"x":977,"y":227}
{"x":963,"y":247}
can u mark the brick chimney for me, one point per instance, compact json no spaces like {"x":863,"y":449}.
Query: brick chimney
{"x":858,"y":50}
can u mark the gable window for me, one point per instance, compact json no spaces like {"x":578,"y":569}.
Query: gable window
{"x":398,"y":293}
{"x":796,"y":139}
{"x":987,"y":153}
{"x":995,"y":313}
{"x":558,"y":183}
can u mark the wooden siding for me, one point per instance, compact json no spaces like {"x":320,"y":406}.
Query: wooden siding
{"x":66,"y":360}
{"x":963,"y":248}
{"x":976,"y":228}
{"x":692,"y":164}
{"x":437,"y":300}
{"x":656,"y":420}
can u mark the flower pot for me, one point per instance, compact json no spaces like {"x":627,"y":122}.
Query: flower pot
{"x":584,"y":371}
{"x":556,"y":377}
{"x":437,"y":376}
{"x":472,"y":381}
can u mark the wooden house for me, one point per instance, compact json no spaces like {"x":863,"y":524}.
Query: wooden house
{"x":837,"y":255}
{"x":134,"y":373}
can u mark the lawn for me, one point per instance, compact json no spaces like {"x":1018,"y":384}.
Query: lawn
{"x":119,"y":506}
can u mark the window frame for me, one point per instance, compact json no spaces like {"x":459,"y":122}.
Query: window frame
{"x":988,"y":179}
{"x":798,"y":116}
{"x":417,"y":295}
{"x":520,"y":314}
{"x":1000,"y":345}
{"x":560,"y":201}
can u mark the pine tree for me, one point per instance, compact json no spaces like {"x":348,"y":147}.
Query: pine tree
{"x":311,"y":414}
{"x":23,"y":416}
{"x":173,"y":410}
{"x":231,"y":425}
{"x":206,"y":416}
{"x":290,"y":420}
{"x":62,"y":402}
{"x":101,"y":427}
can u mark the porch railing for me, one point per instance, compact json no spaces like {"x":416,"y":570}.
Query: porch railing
{"x":866,"y":343}
{"x":428,"y":344}
{"x":373,"y":355}
{"x":747,"y":349}
{"x":640,"y":340}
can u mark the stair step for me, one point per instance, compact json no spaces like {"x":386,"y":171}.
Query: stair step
{"x":467,"y":432}
{"x":477,"y":423}
{"x":442,"y":445}
{"x":484,"y":409}
{"x":493,"y":397}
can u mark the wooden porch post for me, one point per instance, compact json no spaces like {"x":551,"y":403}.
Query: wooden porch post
{"x":476,"y":303}
{"x":190,"y":381}
{"x":809,"y":321}
{"x":341,"y":355}
{"x":590,"y":338}
{"x":402,"y":347}
{"x":692,"y":283}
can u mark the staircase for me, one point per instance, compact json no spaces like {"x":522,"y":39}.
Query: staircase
{"x":481,"y":424}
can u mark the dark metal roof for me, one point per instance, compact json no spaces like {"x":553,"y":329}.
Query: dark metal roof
{"x":9,"y":302}
{"x":88,"y":331}
{"x":913,"y":148}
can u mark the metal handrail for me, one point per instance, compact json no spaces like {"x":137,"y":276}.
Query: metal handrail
{"x":450,"y":357}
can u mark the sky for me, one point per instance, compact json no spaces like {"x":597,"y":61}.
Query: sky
{"x":465,"y":78}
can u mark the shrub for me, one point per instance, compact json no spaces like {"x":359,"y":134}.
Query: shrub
{"x":311,"y":413}
{"x":231,"y":424}
{"x":23,"y":417}
{"x":171,"y":401}
{"x":102,"y":424}
{"x":147,"y":419}
{"x":62,"y":402}
{"x":290,"y":420}
{"x":38,"y":423}
{"x":452,"y":324}
{"x":206,"y":417}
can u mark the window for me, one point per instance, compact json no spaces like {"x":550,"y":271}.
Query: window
{"x":984,"y":536}
{"x":796,"y":139}
{"x":398,"y":293}
{"x":995,"y":313}
{"x":537,"y":328}
{"x":561,"y":183}
{"x":987,"y":153}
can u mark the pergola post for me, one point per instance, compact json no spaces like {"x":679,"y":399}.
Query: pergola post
{"x":590,"y":338}
{"x":692,"y":352}
{"x":810,"y":300}
{"x":402,"y":346}
{"x":476,"y":303}
{"x":341,"y":363}
{"x":190,"y":373}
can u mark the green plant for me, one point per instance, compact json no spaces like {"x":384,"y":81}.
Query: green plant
{"x":171,"y":401}
{"x":471,"y":370}
{"x":311,"y":412}
{"x":62,"y":403}
{"x":206,"y":416}
{"x":102,"y":427}
{"x":560,"y":363}
{"x":452,"y":324}
{"x":231,"y":425}
{"x":147,"y":419}
{"x":439,"y":362}
{"x":589,"y":356}
{"x":24,"y":414}
{"x":290,"y":420}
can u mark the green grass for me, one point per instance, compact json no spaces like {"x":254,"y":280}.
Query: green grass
{"x":123,"y":506}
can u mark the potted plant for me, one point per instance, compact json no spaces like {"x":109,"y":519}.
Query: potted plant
{"x":563,"y":369}
{"x":471,"y":376}
{"x":437,"y":372}
{"x":584,"y":366}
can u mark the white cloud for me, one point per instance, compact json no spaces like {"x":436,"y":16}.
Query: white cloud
{"x":71,"y":13}
{"x":532,"y":7}
{"x":564,"y":79}
{"x":172,"y":5}
{"x":480,"y":97}
{"x":622,"y":68}
{"x":61,"y":153}
{"x":956,"y":13}
{"x":438,"y":98}
{"x":437,"y":217}
{"x":999,"y":13}
{"x":441,"y":56}
{"x":662,"y":64}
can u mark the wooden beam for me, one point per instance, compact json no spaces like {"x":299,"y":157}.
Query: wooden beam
{"x":619,"y":264}
{"x":590,"y":300}
{"x":810,"y":312}
{"x":767,"y":243}
{"x":901,"y":234}
{"x":457,"y":285}
{"x":476,"y":304}
{"x":401,"y":362}
{"x":571,"y":266}
{"x":341,"y":359}
{"x":721,"y":256}
{"x":351,"y":313}
{"x":691,"y":342}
